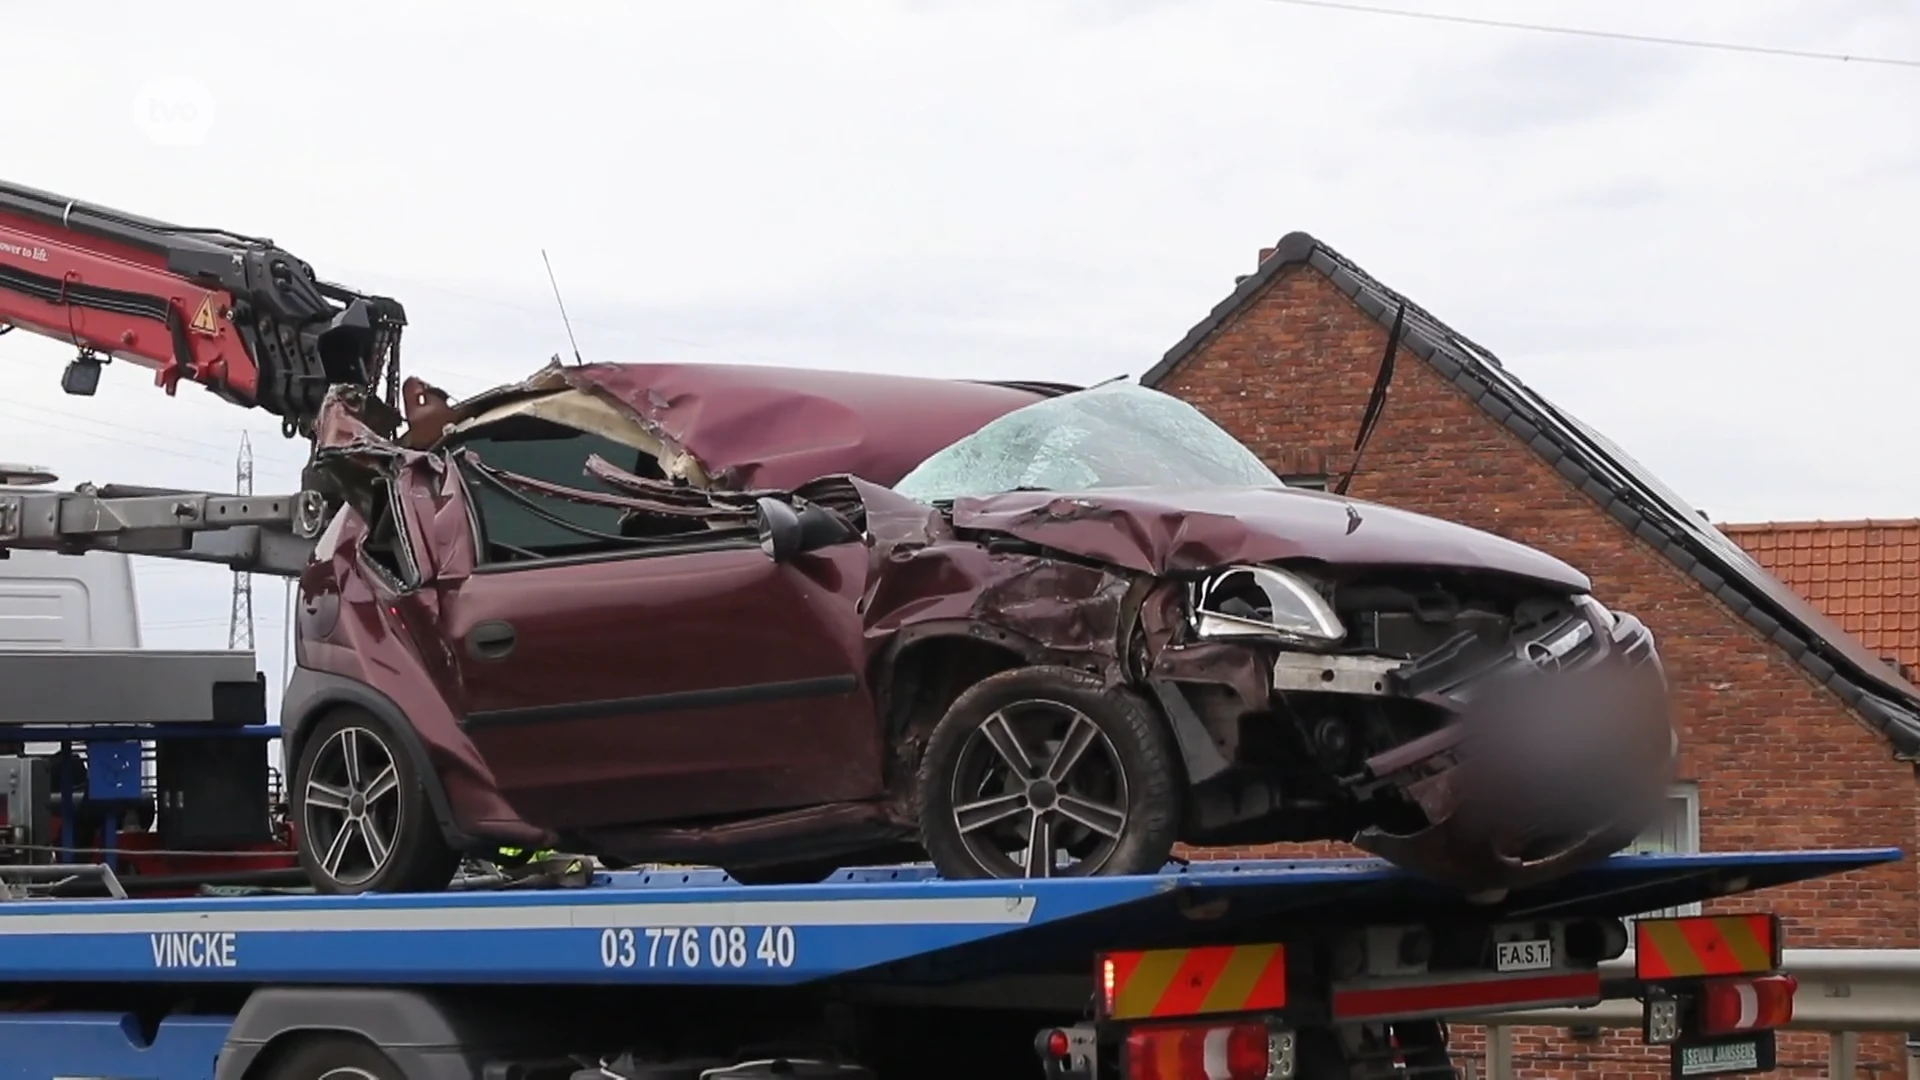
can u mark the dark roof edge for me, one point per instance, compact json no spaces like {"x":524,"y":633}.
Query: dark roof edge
{"x":1294,"y":249}
{"x":1585,"y":460}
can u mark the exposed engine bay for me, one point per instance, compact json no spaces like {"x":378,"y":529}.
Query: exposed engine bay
{"x":1364,"y":738}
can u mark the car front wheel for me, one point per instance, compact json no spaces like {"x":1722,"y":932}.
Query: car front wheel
{"x":1044,"y":772}
{"x":363,"y":820}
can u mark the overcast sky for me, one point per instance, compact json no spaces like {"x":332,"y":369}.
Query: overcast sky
{"x":1697,"y":252}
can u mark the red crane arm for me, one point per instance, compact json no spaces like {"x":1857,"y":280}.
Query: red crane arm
{"x":236,"y":314}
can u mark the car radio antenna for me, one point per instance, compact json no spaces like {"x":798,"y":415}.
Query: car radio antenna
{"x":564,"y":321}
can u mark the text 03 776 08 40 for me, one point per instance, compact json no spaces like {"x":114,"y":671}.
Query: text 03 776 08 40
{"x":699,"y":947}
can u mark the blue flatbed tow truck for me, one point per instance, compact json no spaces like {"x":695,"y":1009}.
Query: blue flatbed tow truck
{"x":1308,"y":970}
{"x":1209,"y":971}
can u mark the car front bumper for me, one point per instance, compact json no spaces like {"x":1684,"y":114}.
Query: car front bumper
{"x":1553,"y":752}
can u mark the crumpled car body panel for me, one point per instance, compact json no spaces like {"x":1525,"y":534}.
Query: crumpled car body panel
{"x":1158,"y":531}
{"x":704,"y":702}
{"x":924,"y":577}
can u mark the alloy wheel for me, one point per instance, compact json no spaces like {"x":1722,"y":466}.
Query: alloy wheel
{"x":352,"y":805}
{"x":1040,"y":791}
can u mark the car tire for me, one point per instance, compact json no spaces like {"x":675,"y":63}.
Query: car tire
{"x":1112,"y":803}
{"x":333,"y":1057}
{"x":393,"y":842}
{"x":800,"y":873}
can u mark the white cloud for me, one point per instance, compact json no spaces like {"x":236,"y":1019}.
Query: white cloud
{"x":1696,"y":252}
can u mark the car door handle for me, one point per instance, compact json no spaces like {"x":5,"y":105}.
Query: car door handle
{"x":490,"y":640}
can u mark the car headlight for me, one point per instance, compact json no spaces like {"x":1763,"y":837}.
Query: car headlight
{"x":1261,"y":602}
{"x":1598,"y":611}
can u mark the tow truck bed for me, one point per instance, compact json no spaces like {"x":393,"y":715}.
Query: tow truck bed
{"x":299,"y":987}
{"x":872,"y":923}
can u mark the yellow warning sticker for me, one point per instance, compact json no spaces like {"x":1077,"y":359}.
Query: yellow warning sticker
{"x":203,"y":321}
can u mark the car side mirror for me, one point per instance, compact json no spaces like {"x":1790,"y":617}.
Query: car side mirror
{"x":786,"y":532}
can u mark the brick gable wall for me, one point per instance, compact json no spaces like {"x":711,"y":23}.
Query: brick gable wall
{"x":1780,"y":762}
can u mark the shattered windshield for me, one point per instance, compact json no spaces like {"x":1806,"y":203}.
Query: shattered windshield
{"x":1116,"y":435}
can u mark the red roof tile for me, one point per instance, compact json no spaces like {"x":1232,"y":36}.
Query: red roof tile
{"x":1864,"y":575}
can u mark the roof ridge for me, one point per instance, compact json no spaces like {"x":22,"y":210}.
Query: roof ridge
{"x":1434,"y":322}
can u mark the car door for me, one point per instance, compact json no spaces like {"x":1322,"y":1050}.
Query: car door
{"x":691,"y":676}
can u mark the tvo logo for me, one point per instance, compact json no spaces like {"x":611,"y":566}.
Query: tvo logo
{"x":174,"y":111}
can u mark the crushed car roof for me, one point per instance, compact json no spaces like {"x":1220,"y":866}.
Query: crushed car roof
{"x":750,"y":426}
{"x":1630,"y":494}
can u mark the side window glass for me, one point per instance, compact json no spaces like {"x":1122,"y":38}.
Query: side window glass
{"x":517,"y":525}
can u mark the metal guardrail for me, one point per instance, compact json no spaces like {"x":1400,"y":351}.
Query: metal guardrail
{"x":1842,"y":991}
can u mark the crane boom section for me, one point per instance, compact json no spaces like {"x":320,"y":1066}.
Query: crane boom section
{"x":237,"y":314}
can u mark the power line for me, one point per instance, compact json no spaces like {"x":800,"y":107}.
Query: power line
{"x":240,"y":618}
{"x":113,"y":425}
{"x":120,"y":433}
{"x":1610,"y":35}
{"x":95,"y":435}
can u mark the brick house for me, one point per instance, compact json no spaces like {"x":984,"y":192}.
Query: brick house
{"x":1794,"y":735}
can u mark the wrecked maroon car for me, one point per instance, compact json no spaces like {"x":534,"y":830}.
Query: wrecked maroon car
{"x":784,"y":621}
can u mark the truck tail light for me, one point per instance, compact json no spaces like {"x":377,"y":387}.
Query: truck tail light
{"x":1210,"y":1052}
{"x":1069,"y":1053}
{"x":1734,"y":1005}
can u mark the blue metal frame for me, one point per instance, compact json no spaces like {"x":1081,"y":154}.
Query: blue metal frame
{"x":89,"y":733}
{"x":114,"y":753}
{"x":34,"y":1046}
{"x":697,"y":928}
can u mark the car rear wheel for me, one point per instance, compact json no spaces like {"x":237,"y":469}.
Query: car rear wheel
{"x":363,"y":820}
{"x":1044,"y":772}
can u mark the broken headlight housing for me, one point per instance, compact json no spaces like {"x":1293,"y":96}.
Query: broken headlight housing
{"x":1597,"y":611}
{"x":1260,"y":602}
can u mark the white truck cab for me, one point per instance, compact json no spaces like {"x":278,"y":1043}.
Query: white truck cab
{"x":54,"y":601}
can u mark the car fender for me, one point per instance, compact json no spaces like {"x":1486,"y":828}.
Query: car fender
{"x":311,"y":694}
{"x":1198,"y":754}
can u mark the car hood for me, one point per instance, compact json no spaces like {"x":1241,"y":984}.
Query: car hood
{"x":1169,"y":530}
